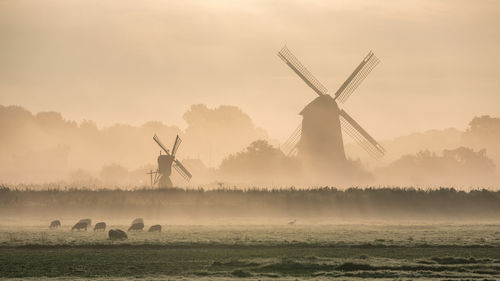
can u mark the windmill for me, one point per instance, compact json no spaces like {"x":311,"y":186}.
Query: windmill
{"x":318,"y":140}
{"x":161,"y":176}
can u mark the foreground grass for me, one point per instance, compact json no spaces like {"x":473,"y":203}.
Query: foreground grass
{"x":301,"y":251}
{"x":278,"y":261}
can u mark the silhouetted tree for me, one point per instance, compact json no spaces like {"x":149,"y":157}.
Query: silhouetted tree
{"x":30,"y":143}
{"x":485,"y":125}
{"x":484,"y":133}
{"x":469,"y":160}
{"x":259,"y":162}
{"x":455,"y":166}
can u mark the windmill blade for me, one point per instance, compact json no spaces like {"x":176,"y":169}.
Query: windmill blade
{"x":353,"y":129}
{"x":176,"y":145}
{"x":182,"y":170}
{"x":157,"y":140}
{"x":289,"y":148}
{"x":358,"y":75}
{"x":302,"y":71}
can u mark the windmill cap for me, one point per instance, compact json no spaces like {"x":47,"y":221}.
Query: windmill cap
{"x":323,"y":102}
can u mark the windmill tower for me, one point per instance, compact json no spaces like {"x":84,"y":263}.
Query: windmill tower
{"x":166,"y":161}
{"x":318,"y":140}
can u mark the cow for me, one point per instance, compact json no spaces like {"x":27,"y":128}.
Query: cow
{"x":87,"y":221}
{"x":117,"y":234}
{"x":100,"y":226}
{"x":137,"y":225}
{"x":155,"y":228}
{"x":55,"y":224}
{"x":79,"y":226}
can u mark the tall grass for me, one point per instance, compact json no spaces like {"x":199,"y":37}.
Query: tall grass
{"x":384,"y":203}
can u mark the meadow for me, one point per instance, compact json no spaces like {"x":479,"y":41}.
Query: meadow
{"x":226,"y":234}
{"x":256,"y":251}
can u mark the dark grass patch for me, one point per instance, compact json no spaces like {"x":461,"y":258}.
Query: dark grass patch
{"x":241,"y":273}
{"x":373,"y":274}
{"x":351,"y":266}
{"x":202,"y":273}
{"x":217,"y":265}
{"x":289,"y":266}
{"x":459,"y":260}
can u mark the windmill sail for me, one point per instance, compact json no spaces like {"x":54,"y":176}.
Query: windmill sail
{"x":358,"y":75}
{"x":182,"y":170}
{"x":176,"y":145}
{"x":290,"y":146}
{"x":353,"y":129}
{"x":157,"y":140}
{"x":302,"y":71}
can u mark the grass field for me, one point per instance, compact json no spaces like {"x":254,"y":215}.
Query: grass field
{"x":423,"y":251}
{"x":384,"y":233}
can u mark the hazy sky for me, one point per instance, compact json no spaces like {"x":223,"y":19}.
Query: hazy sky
{"x":135,"y":61}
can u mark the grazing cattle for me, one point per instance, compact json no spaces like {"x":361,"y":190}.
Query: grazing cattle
{"x":136,"y":227}
{"x":87,"y":221}
{"x":55,"y":224}
{"x":155,"y":228}
{"x":117,"y":234}
{"x":79,"y":226}
{"x":100,"y":226}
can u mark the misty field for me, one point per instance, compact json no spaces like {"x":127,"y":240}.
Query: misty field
{"x":257,"y":251}
{"x":385,"y":233}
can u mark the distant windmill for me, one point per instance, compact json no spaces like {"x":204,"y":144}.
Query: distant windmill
{"x":318,"y":140}
{"x":165,"y":163}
